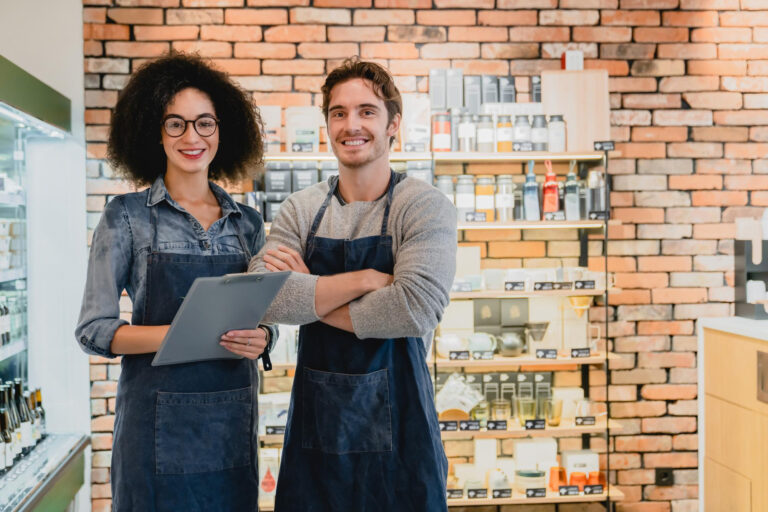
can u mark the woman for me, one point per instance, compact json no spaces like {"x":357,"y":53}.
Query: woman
{"x":182,"y":432}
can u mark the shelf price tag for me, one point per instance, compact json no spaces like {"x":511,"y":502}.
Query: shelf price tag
{"x":536,"y":493}
{"x":274,"y":431}
{"x":474,"y":494}
{"x":484,"y":355}
{"x":501,"y":493}
{"x":543,"y":286}
{"x":522,"y":146}
{"x":580,"y":352}
{"x":471,"y":425}
{"x":460,"y":355}
{"x":584,"y":285}
{"x":546,"y":353}
{"x":559,"y":215}
{"x":514,"y":286}
{"x":569,"y":490}
{"x":604,"y":145}
{"x":454,"y":494}
{"x":585,"y":420}
{"x":565,"y":285}
{"x":475,"y":216}
{"x":461,"y":286}
{"x":598,"y":215}
{"x":593,"y":489}
{"x":497,"y":425}
{"x":448,"y":426}
{"x":537,"y":424}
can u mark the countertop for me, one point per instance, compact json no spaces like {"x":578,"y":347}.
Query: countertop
{"x":748,"y":327}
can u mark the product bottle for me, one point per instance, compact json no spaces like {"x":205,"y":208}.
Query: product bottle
{"x":6,"y":436}
{"x":539,"y":134}
{"x":27,"y":441}
{"x":531,"y":195}
{"x":467,"y":133}
{"x":504,"y":133}
{"x":4,"y":338}
{"x":572,"y":206}
{"x":522,"y":130}
{"x":34,"y":416}
{"x":551,"y":201}
{"x":556,"y":134}
{"x":445,"y":185}
{"x":441,"y":132}
{"x":484,"y":197}
{"x":505,"y":198}
{"x":39,"y":400}
{"x":596,"y":195}
{"x":15,"y":424}
{"x":465,"y":197}
{"x":485,"y":131}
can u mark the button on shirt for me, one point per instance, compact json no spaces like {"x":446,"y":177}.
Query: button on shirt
{"x":121,"y":243}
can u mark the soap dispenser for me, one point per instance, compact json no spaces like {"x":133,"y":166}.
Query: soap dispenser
{"x":551,"y":202}
{"x":531,"y":195}
{"x":572,"y":202}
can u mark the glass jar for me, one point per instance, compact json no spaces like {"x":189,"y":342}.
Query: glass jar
{"x":481,"y":412}
{"x":539,"y":133}
{"x":529,"y":479}
{"x":465,"y":197}
{"x":505,"y":198}
{"x":445,"y":185}
{"x":485,"y":132}
{"x":484,"y":192}
{"x":467,"y":133}
{"x":441,"y":132}
{"x":556,"y":134}
{"x":501,"y":409}
{"x":504,"y":133}
{"x":522,"y":130}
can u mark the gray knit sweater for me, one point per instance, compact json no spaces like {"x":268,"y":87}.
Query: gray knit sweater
{"x":422,"y":223}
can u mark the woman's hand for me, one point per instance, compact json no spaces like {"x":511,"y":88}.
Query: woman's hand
{"x":249,"y":343}
{"x":284,"y":258}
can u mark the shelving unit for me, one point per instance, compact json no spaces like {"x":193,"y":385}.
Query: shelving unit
{"x":519,"y":156}
{"x":529,"y":360}
{"x":491,"y":294}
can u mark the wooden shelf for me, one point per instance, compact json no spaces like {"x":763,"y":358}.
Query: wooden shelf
{"x":397,"y":156}
{"x":501,"y":363}
{"x":554,"y":224}
{"x":569,"y":430}
{"x":522,"y":156}
{"x":491,"y":294}
{"x":552,"y":498}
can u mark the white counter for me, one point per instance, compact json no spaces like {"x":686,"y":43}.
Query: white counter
{"x":757,"y":329}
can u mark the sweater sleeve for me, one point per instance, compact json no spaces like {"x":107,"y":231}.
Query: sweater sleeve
{"x":295,"y":302}
{"x":425,"y":264}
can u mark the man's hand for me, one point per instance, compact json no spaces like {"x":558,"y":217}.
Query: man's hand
{"x":284,"y":258}
{"x":376,"y":280}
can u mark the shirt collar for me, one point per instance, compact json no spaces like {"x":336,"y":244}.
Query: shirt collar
{"x":158,"y":193}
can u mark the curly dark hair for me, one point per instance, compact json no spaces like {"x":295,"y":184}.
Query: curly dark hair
{"x":383,"y":85}
{"x":134,"y":150}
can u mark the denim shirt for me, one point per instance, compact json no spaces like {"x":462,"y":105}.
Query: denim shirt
{"x":121,"y":243}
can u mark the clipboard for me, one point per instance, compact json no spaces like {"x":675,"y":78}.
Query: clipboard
{"x":213,"y":306}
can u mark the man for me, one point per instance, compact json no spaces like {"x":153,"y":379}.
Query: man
{"x":373,"y":258}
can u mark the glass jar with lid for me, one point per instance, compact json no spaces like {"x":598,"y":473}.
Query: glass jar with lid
{"x":504,"y":134}
{"x":522,"y":130}
{"x":445,"y":185}
{"x":441,"y":132}
{"x":485,"y":189}
{"x":465,"y":197}
{"x":485,"y":132}
{"x":505,"y":198}
{"x":556,"y":134}
{"x":539,"y":133}
{"x":467,"y":133}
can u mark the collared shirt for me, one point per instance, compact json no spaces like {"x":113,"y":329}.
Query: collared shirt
{"x":121,"y":243}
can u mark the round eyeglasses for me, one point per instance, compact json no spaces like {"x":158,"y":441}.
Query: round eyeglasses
{"x":175,"y":126}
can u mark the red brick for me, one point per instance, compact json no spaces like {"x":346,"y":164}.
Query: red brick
{"x":446,"y":17}
{"x":682,"y":117}
{"x":715,"y":231}
{"x":93,"y":49}
{"x":745,"y":84}
{"x":714,"y":101}
{"x":239,"y":67}
{"x":602,"y":34}
{"x":743,"y":51}
{"x":670,"y":460}
{"x":664,"y":264}
{"x":654,"y":133}
{"x":629,"y":297}
{"x":638,"y":476}
{"x":720,"y":198}
{"x":106,"y":32}
{"x":723,"y":166}
{"x":568,"y":17}
{"x":204,"y":48}
{"x":265,"y":51}
{"x":742,"y":117}
{"x":743,"y":19}
{"x":194,"y":16}
{"x":689,"y":84}
{"x":542,"y":34}
{"x":717,"y":67}
{"x":670,"y":328}
{"x":643,"y":443}
{"x":746,"y":150}
{"x":746,"y":182}
{"x":758,"y":133}
{"x":477,"y":34}
{"x":308,"y":83}
{"x":637,"y":409}
{"x":125,"y":49}
{"x":483,"y":67}
{"x":314,"y":16}
{"x":687,"y":51}
{"x":661,"y":35}
{"x":632,"y":84}
{"x":628,"y":51}
{"x":94,"y":15}
{"x":356,"y":34}
{"x":679,"y":295}
{"x":760,"y":198}
{"x":504,"y":18}
{"x":97,"y":116}
{"x":295,"y":33}
{"x":649,"y":4}
{"x":413,"y":4}
{"x":651,"y":101}
{"x":175,"y":33}
{"x":388,"y":51}
{"x":757,"y":68}
{"x":418,"y":67}
{"x":669,"y":392}
{"x":450,"y":51}
{"x":633,"y":18}
{"x":642,"y":280}
{"x":298,"y":66}
{"x":342,"y":3}
{"x":676,"y":492}
{"x":658,"y":67}
{"x":721,"y":35}
{"x":255,"y":16}
{"x":383,"y":17}
{"x":136,"y":16}
{"x":284,"y":99}
{"x":614,"y":67}
{"x":103,"y":424}
{"x":720,"y":133}
{"x":694,"y":150}
{"x":695,"y":182}
{"x":509,"y":51}
{"x":690,"y":19}
{"x":144,"y":3}
{"x":709,"y":4}
{"x":229,"y":33}
{"x":639,"y":215}
{"x":212,"y":3}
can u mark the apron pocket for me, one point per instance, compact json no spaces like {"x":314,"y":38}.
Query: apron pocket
{"x":346,"y":413}
{"x":202,"y":432}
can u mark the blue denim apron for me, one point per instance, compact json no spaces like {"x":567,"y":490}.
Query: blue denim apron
{"x":184,"y":436}
{"x":362,"y":431}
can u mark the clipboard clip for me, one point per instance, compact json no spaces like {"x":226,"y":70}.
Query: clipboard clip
{"x":250,"y":277}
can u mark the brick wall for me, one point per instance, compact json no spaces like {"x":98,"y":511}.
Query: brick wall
{"x":689,"y":98}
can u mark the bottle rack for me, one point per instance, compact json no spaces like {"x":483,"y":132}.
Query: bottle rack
{"x":563,"y":362}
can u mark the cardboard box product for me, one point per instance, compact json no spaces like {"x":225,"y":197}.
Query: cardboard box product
{"x":508,"y":385}
{"x":475,"y":381}
{"x":514,"y":312}
{"x":532,"y":454}
{"x":278,"y":177}
{"x":437,"y":89}
{"x":487,"y":313}
{"x":415,"y":123}
{"x":454,"y":88}
{"x":302,"y":126}
{"x":490,"y":89}
{"x":583,"y":461}
{"x":525,"y":385}
{"x":485,"y":455}
{"x":304,"y":174}
{"x":491,"y":386}
{"x":269,"y":463}
{"x":459,"y":318}
{"x":506,"y":89}
{"x":473,"y":93}
{"x":272,"y":115}
{"x":272,"y":208}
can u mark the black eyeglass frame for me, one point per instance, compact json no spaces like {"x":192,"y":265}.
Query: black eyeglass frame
{"x":194,"y":124}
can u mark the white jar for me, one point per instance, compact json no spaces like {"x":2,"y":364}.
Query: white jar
{"x":556,"y":132}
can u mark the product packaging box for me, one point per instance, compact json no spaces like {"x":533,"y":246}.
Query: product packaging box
{"x":487,"y":313}
{"x":304,"y":174}
{"x":525,"y":385}
{"x":473,"y":95}
{"x":454,"y":90}
{"x":437,"y":89}
{"x":328,"y":169}
{"x":302,"y":126}
{"x":490,"y":84}
{"x":491,"y":386}
{"x":508,"y":385}
{"x":269,"y":459}
{"x":272,"y":115}
{"x":278,"y":177}
{"x":536,"y":89}
{"x":415,"y":123}
{"x":514,"y":312}
{"x":271,"y":210}
{"x":507,"y":89}
{"x":532,"y":454}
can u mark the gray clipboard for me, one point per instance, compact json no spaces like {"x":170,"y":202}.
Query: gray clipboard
{"x":213,"y":306}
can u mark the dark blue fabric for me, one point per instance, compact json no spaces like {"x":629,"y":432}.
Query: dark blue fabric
{"x":362,"y":429}
{"x":185,"y":436}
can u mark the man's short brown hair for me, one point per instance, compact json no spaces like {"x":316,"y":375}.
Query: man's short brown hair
{"x":383,"y":85}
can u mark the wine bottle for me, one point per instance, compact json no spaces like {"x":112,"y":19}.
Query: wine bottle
{"x":34,"y":415}
{"x":14,"y":424}
{"x":27,"y":442}
{"x":6,"y":447}
{"x":41,"y":410}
